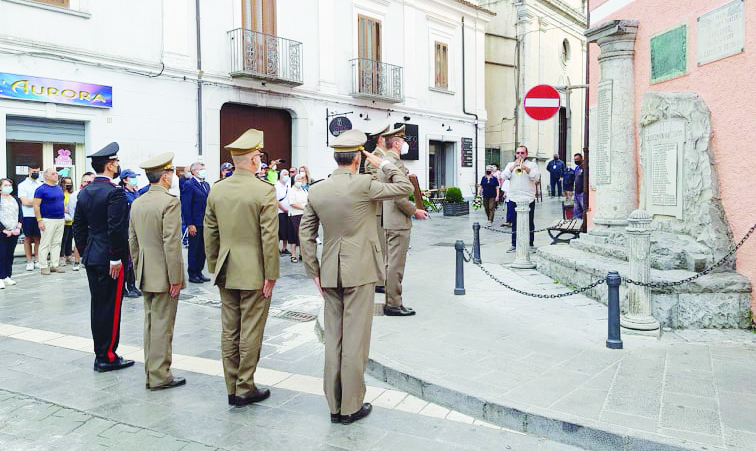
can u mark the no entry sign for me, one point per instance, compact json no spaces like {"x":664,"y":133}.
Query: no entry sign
{"x":542,"y":102}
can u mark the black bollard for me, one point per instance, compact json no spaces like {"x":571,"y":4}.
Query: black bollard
{"x":476,"y":243}
{"x":613,"y":281}
{"x":459,"y":287}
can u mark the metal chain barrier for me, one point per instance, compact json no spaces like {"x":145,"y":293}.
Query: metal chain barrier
{"x":706,"y":271}
{"x":509,"y":232}
{"x":535,"y":295}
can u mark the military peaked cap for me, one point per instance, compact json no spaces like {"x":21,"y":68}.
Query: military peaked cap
{"x":162,"y":162}
{"x":349,"y":141}
{"x":249,"y":141}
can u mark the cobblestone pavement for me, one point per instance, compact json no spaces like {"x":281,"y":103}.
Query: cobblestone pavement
{"x":50,"y":399}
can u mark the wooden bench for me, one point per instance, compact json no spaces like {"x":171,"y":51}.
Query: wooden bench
{"x":569,"y":227}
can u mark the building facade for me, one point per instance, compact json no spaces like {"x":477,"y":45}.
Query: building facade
{"x":529,"y":43}
{"x":194,"y":75}
{"x":676,"y":79}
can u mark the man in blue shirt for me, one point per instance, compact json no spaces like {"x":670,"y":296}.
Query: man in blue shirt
{"x":50,"y":213}
{"x":556,"y":170}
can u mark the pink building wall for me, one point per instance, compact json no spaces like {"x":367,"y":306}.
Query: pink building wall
{"x":728,"y":87}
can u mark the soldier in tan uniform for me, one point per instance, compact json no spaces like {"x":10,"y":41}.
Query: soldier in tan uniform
{"x":351,"y":264}
{"x":155,"y":244}
{"x":379,"y":151}
{"x":397,"y":224}
{"x":241,"y":243}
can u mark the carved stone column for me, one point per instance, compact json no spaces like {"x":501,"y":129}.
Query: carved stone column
{"x":638,"y":316}
{"x":522,"y":252}
{"x":612,"y":161}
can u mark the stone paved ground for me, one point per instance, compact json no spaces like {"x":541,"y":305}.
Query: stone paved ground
{"x":541,"y":365}
{"x":50,"y":399}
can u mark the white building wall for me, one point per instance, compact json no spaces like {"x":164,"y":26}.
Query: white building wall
{"x":152,"y":69}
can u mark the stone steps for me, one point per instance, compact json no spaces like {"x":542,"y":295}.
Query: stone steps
{"x":719,"y":300}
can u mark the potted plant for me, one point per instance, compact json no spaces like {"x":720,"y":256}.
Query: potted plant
{"x":455,"y":204}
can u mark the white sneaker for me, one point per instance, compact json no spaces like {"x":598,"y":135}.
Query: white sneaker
{"x":37,"y":265}
{"x":30,"y":266}
{"x":2,"y":285}
{"x":9,"y":281}
{"x":76,"y":267}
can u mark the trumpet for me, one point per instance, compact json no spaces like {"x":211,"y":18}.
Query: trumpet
{"x":518,"y":166}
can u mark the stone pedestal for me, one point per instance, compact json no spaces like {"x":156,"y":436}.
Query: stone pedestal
{"x":612,"y":160}
{"x":638,"y":315}
{"x":522,"y":254}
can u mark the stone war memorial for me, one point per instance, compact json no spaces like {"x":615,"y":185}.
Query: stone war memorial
{"x":657,"y":211}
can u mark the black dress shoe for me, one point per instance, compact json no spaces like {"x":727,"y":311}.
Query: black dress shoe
{"x":132,"y":294}
{"x":195,"y":279}
{"x":335,"y":418}
{"x":231,"y":400}
{"x":253,"y":396}
{"x":202,"y":276}
{"x":119,"y":363}
{"x":380,"y":289}
{"x":175,"y":382}
{"x":397,"y":311}
{"x":360,"y":414}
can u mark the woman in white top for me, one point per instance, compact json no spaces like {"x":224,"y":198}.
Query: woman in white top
{"x":297,"y":199}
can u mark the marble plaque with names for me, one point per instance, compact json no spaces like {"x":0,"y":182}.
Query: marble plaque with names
{"x":664,"y":174}
{"x":663,"y":146}
{"x":601,"y":157}
{"x":721,"y":33}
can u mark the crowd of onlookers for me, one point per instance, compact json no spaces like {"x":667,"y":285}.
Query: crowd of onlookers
{"x":43,"y":210}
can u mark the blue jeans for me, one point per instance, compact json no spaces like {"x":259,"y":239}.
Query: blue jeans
{"x":556,"y":182}
{"x":579,"y":208}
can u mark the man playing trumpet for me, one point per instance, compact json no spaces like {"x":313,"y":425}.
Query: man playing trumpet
{"x":524,"y":188}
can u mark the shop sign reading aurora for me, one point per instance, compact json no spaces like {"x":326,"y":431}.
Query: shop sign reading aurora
{"x":37,"y":89}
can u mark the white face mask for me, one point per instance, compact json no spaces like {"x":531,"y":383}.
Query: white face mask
{"x":298,"y":184}
{"x":7,"y":189}
{"x":202,"y":173}
{"x":405,"y":148}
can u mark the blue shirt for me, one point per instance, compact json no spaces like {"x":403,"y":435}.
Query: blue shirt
{"x":52,"y":201}
{"x":489,"y":187}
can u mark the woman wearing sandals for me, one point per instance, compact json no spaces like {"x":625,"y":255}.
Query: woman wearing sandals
{"x":10,"y":219}
{"x":297,"y":198}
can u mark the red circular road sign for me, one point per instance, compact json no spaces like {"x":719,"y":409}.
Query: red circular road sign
{"x":542,"y":102}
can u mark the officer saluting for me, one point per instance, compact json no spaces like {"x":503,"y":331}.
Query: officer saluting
{"x":241,"y":243}
{"x":155,"y":243}
{"x":101,"y":233}
{"x":351,"y":265}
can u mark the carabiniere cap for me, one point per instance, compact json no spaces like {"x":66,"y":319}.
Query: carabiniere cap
{"x":349,"y":141}
{"x":162,"y":162}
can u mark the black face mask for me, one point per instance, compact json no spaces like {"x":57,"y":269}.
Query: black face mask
{"x":69,"y":188}
{"x":118,"y":171}
{"x":34,"y":175}
{"x":488,"y":172}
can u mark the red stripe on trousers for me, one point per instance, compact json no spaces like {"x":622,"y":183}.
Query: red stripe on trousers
{"x":116,"y":315}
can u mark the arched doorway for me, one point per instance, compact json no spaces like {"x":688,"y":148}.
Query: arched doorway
{"x":235,"y":119}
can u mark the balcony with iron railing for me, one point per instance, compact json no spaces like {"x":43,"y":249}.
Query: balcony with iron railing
{"x":375,"y":80}
{"x":265,"y":57}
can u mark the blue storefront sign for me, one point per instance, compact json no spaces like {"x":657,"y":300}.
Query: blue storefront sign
{"x":36,"y":89}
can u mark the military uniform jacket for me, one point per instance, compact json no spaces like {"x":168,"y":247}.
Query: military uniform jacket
{"x":374,"y":172}
{"x":345,"y":204}
{"x":155,"y":240}
{"x":101,"y":223}
{"x":241,"y":232}
{"x":397,"y":213}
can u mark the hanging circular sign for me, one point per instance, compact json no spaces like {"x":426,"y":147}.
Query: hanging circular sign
{"x":542,"y":102}
{"x":339,"y":125}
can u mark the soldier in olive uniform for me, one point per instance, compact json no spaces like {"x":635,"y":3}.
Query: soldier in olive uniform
{"x":380,"y":151}
{"x":351,"y":265}
{"x":241,"y":243}
{"x":155,"y":244}
{"x":397,"y":225}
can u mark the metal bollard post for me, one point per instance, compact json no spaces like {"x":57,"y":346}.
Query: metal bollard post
{"x":613,"y":280}
{"x":476,"y":243}
{"x":459,"y":287}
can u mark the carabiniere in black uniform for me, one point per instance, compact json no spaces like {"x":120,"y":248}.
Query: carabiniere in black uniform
{"x":101,"y":231}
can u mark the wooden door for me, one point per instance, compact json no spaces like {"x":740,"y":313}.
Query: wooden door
{"x":369,"y":52}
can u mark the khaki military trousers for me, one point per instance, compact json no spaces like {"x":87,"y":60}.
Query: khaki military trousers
{"x":348,"y":315}
{"x":397,"y":244}
{"x":243,"y":317}
{"x":382,"y":240}
{"x":159,"y":319}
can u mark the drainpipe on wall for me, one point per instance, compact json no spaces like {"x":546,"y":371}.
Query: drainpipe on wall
{"x":464,"y":104}
{"x":199,"y":81}
{"x":586,"y":131}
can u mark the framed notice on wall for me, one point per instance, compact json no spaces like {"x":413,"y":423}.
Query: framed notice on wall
{"x":467,"y":152}
{"x":721,"y":33}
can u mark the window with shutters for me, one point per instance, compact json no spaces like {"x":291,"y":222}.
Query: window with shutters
{"x":259,"y":15}
{"x":261,"y":44}
{"x":369,"y":38}
{"x":442,"y":66}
